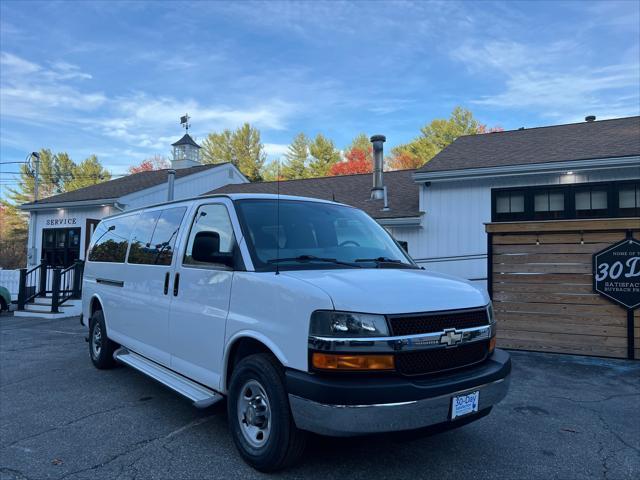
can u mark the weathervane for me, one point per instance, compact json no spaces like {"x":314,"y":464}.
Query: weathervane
{"x":184,"y":121}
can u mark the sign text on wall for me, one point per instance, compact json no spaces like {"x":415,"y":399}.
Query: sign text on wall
{"x":616,"y":273}
{"x":59,"y":222}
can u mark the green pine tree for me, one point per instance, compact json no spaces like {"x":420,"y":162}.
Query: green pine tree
{"x":323,"y":155}
{"x":249,"y":152}
{"x":218,"y":148}
{"x":297,"y":158}
{"x":242,"y":147}
{"x":439,"y":133}
{"x":88,"y":172}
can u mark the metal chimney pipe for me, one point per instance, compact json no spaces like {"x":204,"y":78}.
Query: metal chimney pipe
{"x":377,"y":192}
{"x":171,"y":176}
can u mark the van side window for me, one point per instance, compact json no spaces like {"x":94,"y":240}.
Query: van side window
{"x":154,"y":236}
{"x":140,"y":251}
{"x":165,"y":234}
{"x":215,"y":222}
{"x":110,"y":240}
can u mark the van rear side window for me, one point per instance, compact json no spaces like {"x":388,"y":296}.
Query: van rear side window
{"x":112,"y":239}
{"x":154,"y":236}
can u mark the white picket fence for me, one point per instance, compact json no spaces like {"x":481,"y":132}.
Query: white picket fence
{"x":10,"y":279}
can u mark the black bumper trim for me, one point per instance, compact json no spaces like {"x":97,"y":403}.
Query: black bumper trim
{"x":369,"y":389}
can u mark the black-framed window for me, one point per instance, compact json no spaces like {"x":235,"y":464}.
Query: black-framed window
{"x":629,"y":199}
{"x":592,"y":202}
{"x":568,"y":201}
{"x":509,"y":204}
{"x":549,"y":204}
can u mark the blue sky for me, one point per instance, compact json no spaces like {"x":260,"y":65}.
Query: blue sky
{"x":113,"y":78}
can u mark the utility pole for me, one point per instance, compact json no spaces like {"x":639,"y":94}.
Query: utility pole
{"x":36,"y":161}
{"x":32,"y":253}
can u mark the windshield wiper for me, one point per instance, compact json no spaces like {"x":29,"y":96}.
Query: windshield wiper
{"x":386,"y":260}
{"x":312,"y":258}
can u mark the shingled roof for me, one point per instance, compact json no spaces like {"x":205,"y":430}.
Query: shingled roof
{"x":119,"y":187}
{"x":354,"y":190}
{"x":614,"y":138}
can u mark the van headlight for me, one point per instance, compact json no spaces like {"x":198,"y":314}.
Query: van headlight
{"x":346,"y":324}
{"x":490,"y":314}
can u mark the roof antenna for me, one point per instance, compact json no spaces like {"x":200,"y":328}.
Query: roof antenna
{"x":333,"y":196}
{"x":278,"y":220}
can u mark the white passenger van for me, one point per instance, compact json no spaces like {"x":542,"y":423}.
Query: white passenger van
{"x":305,"y":314}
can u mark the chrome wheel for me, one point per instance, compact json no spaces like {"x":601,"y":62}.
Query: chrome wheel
{"x":254,"y":413}
{"x":96,"y":340}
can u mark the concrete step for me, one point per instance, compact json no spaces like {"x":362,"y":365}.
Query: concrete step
{"x":39,"y":307}
{"x":47,"y":301}
{"x":37,"y":314}
{"x":70,"y":308}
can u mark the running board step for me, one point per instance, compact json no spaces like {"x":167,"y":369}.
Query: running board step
{"x":200,"y":395}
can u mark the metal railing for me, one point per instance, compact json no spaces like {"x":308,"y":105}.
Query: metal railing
{"x":70,"y":282}
{"x":33,"y":283}
{"x":43,"y":279}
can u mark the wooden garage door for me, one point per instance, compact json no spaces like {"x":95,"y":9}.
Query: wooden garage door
{"x":542,"y":287}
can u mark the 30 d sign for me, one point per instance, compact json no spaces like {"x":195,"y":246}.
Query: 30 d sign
{"x":616,"y":273}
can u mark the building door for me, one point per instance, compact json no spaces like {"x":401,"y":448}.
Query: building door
{"x":60,"y":246}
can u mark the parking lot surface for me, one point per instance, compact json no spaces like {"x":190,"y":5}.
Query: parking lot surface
{"x":566,"y":417}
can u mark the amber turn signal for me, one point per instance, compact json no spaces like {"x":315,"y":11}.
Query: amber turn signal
{"x":329,"y":361}
{"x":492,"y":344}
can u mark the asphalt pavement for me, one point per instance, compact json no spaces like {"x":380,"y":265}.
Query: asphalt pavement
{"x":566,"y":417}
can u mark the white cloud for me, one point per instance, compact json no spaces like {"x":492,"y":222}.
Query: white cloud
{"x":57,"y":94}
{"x":29,"y":91}
{"x":541,"y":79}
{"x":148,"y":122}
{"x":275,"y":149}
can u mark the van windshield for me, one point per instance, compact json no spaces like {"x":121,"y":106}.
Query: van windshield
{"x":313,"y":235}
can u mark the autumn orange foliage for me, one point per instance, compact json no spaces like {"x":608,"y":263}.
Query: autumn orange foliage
{"x":154,"y":163}
{"x":356,"y":162}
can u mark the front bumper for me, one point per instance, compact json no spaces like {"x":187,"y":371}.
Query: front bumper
{"x":406,"y":404}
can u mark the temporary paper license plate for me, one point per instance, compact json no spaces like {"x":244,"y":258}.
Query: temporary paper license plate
{"x":464,"y":404}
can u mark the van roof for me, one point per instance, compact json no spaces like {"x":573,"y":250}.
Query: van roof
{"x":231,"y":196}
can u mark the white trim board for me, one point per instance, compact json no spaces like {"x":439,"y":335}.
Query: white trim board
{"x":528,"y":169}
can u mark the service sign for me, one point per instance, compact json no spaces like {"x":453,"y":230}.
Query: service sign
{"x":616,"y":273}
{"x":61,"y":221}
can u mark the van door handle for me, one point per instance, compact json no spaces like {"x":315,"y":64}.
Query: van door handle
{"x":166,"y":283}
{"x":176,"y":284}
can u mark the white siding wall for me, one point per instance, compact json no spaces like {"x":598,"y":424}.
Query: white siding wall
{"x":191,"y":186}
{"x":455,"y":213}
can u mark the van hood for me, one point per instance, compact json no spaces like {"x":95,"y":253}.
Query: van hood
{"x":391,"y":291}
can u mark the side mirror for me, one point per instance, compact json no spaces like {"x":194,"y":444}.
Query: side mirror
{"x":206,"y":249}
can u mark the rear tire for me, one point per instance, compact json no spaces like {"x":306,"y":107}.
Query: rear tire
{"x":100,"y":347}
{"x":3,"y":305}
{"x":260,"y":418}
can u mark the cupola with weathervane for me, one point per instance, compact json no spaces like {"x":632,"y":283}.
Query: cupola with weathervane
{"x":186,"y":152}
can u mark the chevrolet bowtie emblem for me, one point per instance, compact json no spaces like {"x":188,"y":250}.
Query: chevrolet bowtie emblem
{"x":451,"y":337}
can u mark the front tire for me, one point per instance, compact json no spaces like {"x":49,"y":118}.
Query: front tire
{"x":100,"y":347}
{"x":260,"y":419}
